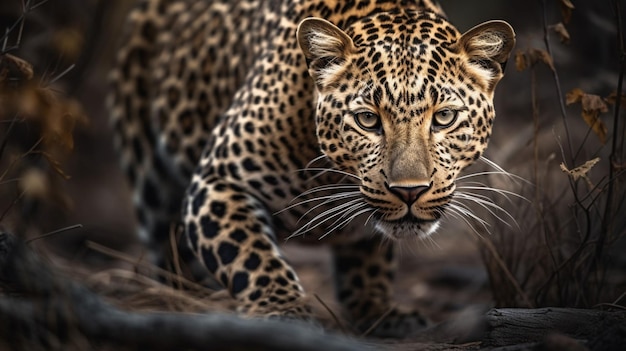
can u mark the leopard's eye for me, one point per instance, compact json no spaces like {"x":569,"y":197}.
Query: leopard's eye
{"x":444,"y":118}
{"x":368,"y":121}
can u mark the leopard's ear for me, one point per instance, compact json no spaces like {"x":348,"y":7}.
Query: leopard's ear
{"x":488,"y":46}
{"x":325,"y":48}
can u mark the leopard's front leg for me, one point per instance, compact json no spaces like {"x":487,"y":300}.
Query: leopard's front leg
{"x":364,"y":273}
{"x":231,"y":233}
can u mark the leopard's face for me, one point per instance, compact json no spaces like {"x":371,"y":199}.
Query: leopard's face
{"x":405,"y":104}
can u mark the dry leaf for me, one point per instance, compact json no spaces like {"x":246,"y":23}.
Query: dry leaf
{"x":520,"y":61}
{"x":530,"y":57}
{"x":562,"y":32}
{"x":543,"y":56}
{"x":596,"y":124}
{"x":13,"y":68}
{"x":56,"y":114}
{"x":582,"y":170}
{"x":612,"y":99}
{"x":69,"y":41}
{"x":23,"y":96}
{"x":594,"y":102}
{"x":592,"y":106}
{"x":575,"y":95}
{"x":566,"y":10}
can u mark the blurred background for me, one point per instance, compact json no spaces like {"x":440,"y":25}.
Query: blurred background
{"x":562,"y":245}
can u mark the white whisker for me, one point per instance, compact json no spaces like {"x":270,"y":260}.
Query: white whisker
{"x":329,"y":214}
{"x":510,"y":175}
{"x":469,"y":191}
{"x":349,"y":219}
{"x":432,"y":241}
{"x":348,"y":212}
{"x":370,"y":217}
{"x":324,"y":170}
{"x":462,"y":209}
{"x":452,"y":210}
{"x":318,"y":206}
{"x":328,"y":198}
{"x":313,"y":209}
{"x":461,"y":213}
{"x":487,"y":204}
{"x":501,"y":170}
{"x":318,"y":158}
{"x":502,"y":192}
{"x":327,"y":187}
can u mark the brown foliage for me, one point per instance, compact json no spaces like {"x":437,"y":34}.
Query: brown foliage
{"x":592,"y":106}
{"x":37,"y":122}
{"x":529,"y":58}
{"x":22,"y":96}
{"x":566,"y":10}
{"x":562,"y":32}
{"x":570,"y":221}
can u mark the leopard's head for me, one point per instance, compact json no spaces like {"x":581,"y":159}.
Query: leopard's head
{"x":405,"y":102}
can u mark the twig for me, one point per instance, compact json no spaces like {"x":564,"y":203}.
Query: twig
{"x":5,"y":139}
{"x":557,"y":82}
{"x":30,"y":151}
{"x":535,"y":107}
{"x":26,"y":9}
{"x":10,"y":206}
{"x":619,"y":298}
{"x":608,"y":209}
{"x":151,"y":291}
{"x":622,"y":64}
{"x":341,"y":326}
{"x":60,"y":75}
{"x":377,"y":322}
{"x":539,"y":187}
{"x":507,"y":272}
{"x":175,"y":256}
{"x":611,"y":305}
{"x":157,"y":270}
{"x":54,"y":232}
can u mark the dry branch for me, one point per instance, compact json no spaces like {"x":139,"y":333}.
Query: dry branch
{"x":39,"y":303}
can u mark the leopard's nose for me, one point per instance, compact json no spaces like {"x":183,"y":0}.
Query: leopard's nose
{"x":409,"y":193}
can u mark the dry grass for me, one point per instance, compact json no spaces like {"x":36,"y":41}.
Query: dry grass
{"x":566,"y":251}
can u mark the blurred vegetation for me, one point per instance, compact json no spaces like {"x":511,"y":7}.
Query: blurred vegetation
{"x":37,"y":122}
{"x":568,"y":249}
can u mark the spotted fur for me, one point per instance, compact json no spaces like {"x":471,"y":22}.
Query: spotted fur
{"x":342,"y":120}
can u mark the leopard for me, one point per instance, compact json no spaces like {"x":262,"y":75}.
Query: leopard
{"x":344,"y":123}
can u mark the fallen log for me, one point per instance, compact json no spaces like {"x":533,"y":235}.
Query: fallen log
{"x":592,"y":327}
{"x":540,"y":328}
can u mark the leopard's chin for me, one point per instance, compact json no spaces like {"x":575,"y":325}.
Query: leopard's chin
{"x":407,"y":227}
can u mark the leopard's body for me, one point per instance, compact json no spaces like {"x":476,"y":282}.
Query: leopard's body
{"x":364,"y":114}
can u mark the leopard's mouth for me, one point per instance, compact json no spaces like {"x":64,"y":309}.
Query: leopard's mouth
{"x":406,"y":227}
